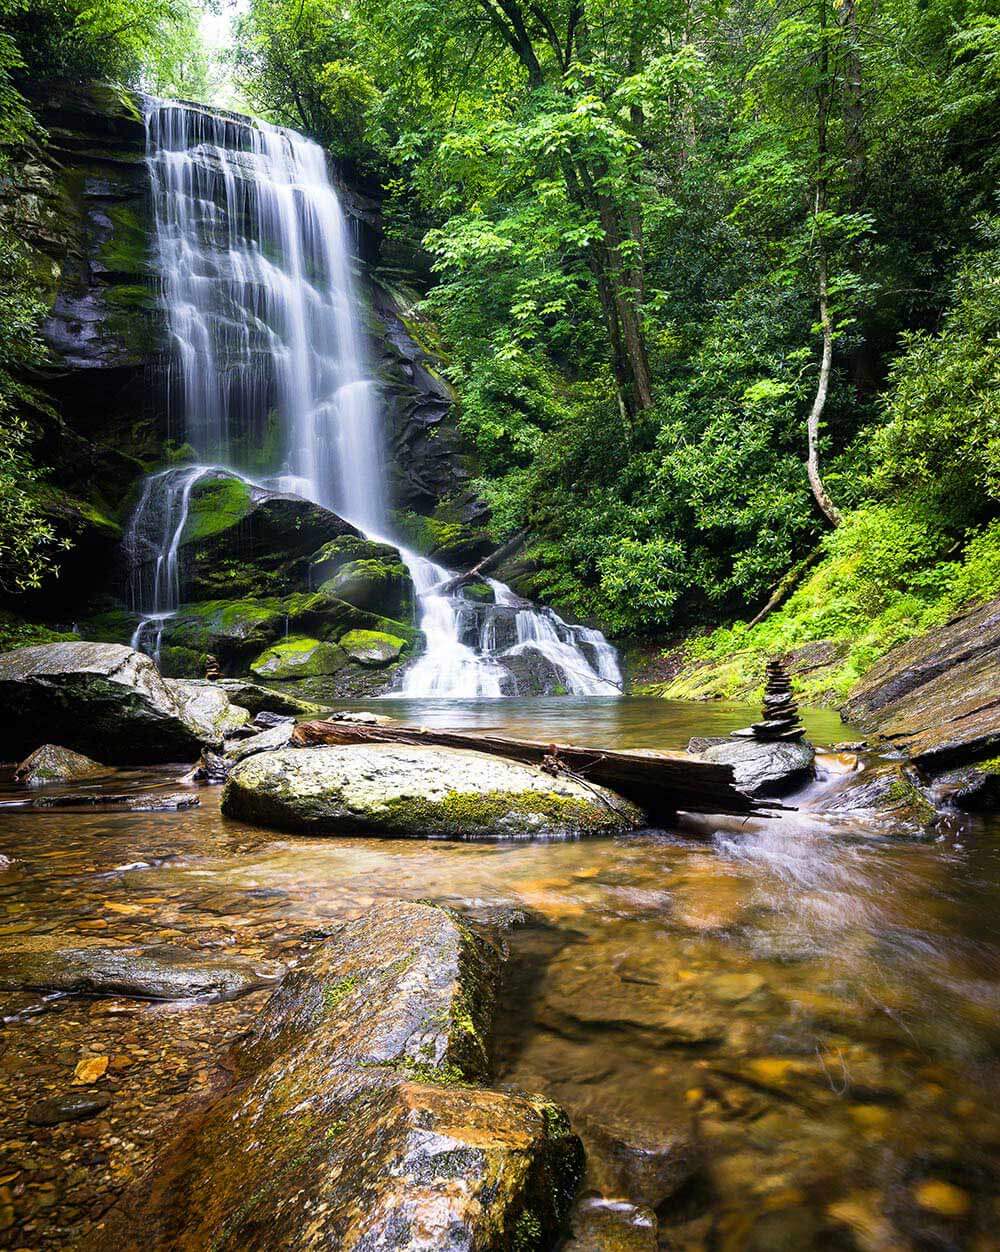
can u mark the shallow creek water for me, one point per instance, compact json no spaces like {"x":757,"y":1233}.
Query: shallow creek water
{"x":809,"y":1003}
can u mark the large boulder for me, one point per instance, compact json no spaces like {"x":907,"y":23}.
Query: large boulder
{"x":765,"y":769}
{"x":372,"y":647}
{"x":937,"y":697}
{"x":100,"y":698}
{"x":208,"y":707}
{"x":420,"y":793}
{"x":354,"y":1123}
{"x":158,"y":972}
{"x":298,"y":656}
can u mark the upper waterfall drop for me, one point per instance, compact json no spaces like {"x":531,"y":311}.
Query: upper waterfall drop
{"x":267,"y":379}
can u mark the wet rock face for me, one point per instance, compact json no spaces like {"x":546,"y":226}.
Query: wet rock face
{"x":159,"y":972}
{"x":353,"y":1126}
{"x":937,"y":697}
{"x":887,"y":793}
{"x":101,"y":698}
{"x":765,"y":769}
{"x":418,"y":792}
{"x":52,"y":764}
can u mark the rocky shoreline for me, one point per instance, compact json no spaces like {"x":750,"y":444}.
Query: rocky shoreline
{"x":366,"y":1073}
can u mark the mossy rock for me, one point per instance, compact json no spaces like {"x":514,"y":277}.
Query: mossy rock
{"x":360,"y":1079}
{"x":372,"y":647}
{"x":478,"y":593}
{"x":18,"y":632}
{"x":182,"y":663}
{"x":216,"y":505}
{"x":114,"y":626}
{"x":419,"y":793}
{"x":298,"y":656}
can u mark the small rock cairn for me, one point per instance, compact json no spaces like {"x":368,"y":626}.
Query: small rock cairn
{"x":780,"y":712}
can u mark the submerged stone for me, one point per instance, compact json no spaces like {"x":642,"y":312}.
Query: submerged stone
{"x":609,"y":1225}
{"x":353,"y":1124}
{"x":75,"y":1106}
{"x":158,"y":972}
{"x":418,"y":792}
{"x":52,"y":764}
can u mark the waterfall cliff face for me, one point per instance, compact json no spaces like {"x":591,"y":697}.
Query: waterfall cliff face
{"x":267,"y":378}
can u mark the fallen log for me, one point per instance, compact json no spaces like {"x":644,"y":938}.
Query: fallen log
{"x":660,"y":783}
{"x":487,"y":563}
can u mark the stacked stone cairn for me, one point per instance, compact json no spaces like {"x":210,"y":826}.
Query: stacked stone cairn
{"x":780,"y":712}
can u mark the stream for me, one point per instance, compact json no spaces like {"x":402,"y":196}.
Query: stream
{"x":806,"y":1005}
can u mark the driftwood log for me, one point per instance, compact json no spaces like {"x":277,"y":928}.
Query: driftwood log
{"x":482,"y":567}
{"x":660,"y":783}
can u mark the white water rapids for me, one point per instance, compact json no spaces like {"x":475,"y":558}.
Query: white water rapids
{"x":267,"y":379}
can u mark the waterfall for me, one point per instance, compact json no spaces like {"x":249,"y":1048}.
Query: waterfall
{"x":267,"y":353}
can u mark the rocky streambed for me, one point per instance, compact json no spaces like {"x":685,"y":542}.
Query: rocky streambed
{"x":304,"y":1010}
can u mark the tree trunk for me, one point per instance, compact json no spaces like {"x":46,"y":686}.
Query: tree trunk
{"x":829,"y":509}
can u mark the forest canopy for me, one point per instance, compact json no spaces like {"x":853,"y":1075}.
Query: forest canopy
{"x":717,"y":286}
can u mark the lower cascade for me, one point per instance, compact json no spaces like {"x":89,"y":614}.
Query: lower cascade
{"x":256,"y":269}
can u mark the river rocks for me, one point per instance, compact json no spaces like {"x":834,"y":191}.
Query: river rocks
{"x":158,"y":972}
{"x":937,"y":697}
{"x":418,"y":792}
{"x":257,"y":700}
{"x":372,"y":647}
{"x":648,"y":1164}
{"x":884,"y":791}
{"x":75,"y":1106}
{"x":127,"y":801}
{"x":52,"y":764}
{"x":765,"y":769}
{"x":970,"y":788}
{"x":269,"y":740}
{"x":354,"y":1124}
{"x":101,"y":698}
{"x":209,"y":707}
{"x":601,"y":1225}
{"x":298,"y":656}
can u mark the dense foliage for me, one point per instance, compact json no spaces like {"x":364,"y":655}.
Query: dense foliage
{"x":661,"y":236}
{"x":643,"y":217}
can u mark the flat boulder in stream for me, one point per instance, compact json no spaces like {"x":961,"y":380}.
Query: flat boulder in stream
{"x":158,"y":972}
{"x":420,"y":793}
{"x":100,"y":698}
{"x":355,"y":1122}
{"x":765,"y":769}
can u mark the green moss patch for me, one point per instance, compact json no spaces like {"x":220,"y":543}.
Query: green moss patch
{"x":299,"y":656}
{"x":217,"y":504}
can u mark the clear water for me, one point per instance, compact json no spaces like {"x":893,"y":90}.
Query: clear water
{"x":813,"y":999}
{"x":268,"y":352}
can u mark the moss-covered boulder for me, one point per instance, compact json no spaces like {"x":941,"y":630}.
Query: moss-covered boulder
{"x":372,"y":647}
{"x":355,"y":1122}
{"x":367,"y":575}
{"x":53,"y":764}
{"x":99,"y":698}
{"x":419,"y":793}
{"x":240,"y":540}
{"x":298,"y":656}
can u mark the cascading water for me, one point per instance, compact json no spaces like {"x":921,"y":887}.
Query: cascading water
{"x":254,"y":254}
